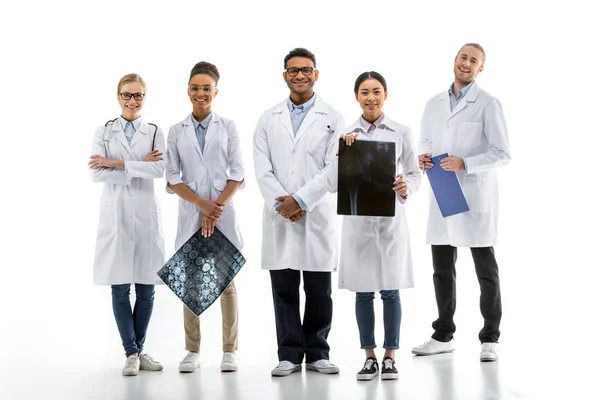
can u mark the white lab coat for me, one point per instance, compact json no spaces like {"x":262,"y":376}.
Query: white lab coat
{"x":130,"y":242}
{"x":375,"y":253}
{"x":285,"y":165}
{"x":476,"y":132}
{"x":205,"y":174}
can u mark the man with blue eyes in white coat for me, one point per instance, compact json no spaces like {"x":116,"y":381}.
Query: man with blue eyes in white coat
{"x":294,"y":142}
{"x":467,"y":123}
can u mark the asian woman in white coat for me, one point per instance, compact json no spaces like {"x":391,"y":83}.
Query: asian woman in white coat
{"x":127,"y":157}
{"x":375,"y":251}
{"x":205,"y":169}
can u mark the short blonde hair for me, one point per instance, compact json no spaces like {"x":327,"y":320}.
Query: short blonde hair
{"x":129,"y":78}
{"x":476,"y":45}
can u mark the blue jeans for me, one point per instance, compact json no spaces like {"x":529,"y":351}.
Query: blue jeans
{"x":365,"y":317}
{"x":133,"y":326}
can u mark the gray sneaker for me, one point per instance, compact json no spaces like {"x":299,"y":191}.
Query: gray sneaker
{"x":147,"y":363}
{"x":323,"y":366}
{"x":132,"y":366}
{"x":285,"y":368}
{"x":190,"y":362}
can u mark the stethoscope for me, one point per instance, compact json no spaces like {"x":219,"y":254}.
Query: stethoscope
{"x":113,"y":120}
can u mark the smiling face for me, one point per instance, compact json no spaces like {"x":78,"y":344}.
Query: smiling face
{"x":301,"y":84}
{"x":202,"y":90}
{"x":371,"y":96}
{"x":467,"y":65}
{"x":130,"y":109}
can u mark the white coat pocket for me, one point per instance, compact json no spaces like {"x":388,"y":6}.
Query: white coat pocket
{"x":469,"y":134}
{"x":480,"y":193}
{"x":219,"y":185}
{"x":316,"y":143}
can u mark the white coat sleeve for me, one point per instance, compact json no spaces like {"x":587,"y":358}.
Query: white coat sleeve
{"x":106,"y":175}
{"x":410,"y":166}
{"x":331,"y":173}
{"x":269,"y":186}
{"x":149,"y":170}
{"x":173,"y":174}
{"x":315,"y":189}
{"x":494,"y":129}
{"x":426,"y":135}
{"x":234,"y":156}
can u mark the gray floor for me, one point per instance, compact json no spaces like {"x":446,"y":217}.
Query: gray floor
{"x":450,"y":376}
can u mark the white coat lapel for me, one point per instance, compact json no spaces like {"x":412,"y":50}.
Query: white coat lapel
{"x":190,"y":133}
{"x":140,"y":134}
{"x":310,"y":118}
{"x":285,"y":118}
{"x":119,"y":135}
{"x":212,"y":130}
{"x":314,"y":114}
{"x":470,"y":97}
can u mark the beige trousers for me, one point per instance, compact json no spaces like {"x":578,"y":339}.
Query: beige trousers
{"x":229,"y":311}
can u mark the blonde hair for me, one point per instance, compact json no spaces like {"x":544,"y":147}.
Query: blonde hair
{"x":476,"y":45}
{"x":129,"y":78}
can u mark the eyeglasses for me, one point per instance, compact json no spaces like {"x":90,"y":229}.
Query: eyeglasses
{"x":207,"y":90}
{"x":293,"y":71}
{"x":136,"y":96}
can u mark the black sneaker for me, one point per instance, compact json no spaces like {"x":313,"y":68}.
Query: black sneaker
{"x":388,"y":369}
{"x":370,"y":370}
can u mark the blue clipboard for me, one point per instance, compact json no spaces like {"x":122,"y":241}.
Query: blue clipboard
{"x":446,"y":189}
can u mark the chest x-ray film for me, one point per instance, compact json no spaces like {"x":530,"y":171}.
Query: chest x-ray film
{"x":366,"y":173}
{"x":202,"y":269}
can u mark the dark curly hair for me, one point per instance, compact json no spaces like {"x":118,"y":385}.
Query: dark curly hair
{"x":207,"y":68}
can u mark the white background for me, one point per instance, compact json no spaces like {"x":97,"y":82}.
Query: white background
{"x":60,"y":65}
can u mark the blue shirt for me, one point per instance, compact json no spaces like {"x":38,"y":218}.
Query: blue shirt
{"x":201,"y":128}
{"x":461,"y":93}
{"x":129,"y":127}
{"x":298,"y":113}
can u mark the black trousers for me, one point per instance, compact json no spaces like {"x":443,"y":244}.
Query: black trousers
{"x":444,"y":281}
{"x":297,"y":338}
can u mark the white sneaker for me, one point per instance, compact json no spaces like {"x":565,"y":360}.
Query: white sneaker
{"x":132,"y":366}
{"x":489,"y":351}
{"x":147,"y":363}
{"x":433,"y":346}
{"x":190,"y":362}
{"x":228,"y":364}
{"x":285,"y":368}
{"x":323,"y":366}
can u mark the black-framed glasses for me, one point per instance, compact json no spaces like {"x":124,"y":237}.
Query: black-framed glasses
{"x":136,"y":96}
{"x":293,"y":71}
{"x":207,"y":90}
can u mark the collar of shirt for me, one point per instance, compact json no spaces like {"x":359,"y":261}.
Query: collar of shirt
{"x":461,"y":93}
{"x":302,"y":107}
{"x":204,"y":123}
{"x":366,"y":125}
{"x":135,"y":123}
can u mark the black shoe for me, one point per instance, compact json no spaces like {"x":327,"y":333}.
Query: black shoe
{"x":388,"y":369}
{"x":370,"y":370}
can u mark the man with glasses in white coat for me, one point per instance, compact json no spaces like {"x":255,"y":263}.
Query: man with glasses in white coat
{"x":294,"y":142}
{"x":467,"y":123}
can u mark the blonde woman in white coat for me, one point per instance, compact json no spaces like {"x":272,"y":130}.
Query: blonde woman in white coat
{"x":127,"y":157}
{"x":205,"y":169}
{"x":375,"y":253}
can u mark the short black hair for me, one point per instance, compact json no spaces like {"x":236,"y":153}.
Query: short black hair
{"x":207,"y":68}
{"x":299,"y":52}
{"x":369,"y":75}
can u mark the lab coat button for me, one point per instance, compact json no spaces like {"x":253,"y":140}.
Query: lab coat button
{"x":292,"y":173}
